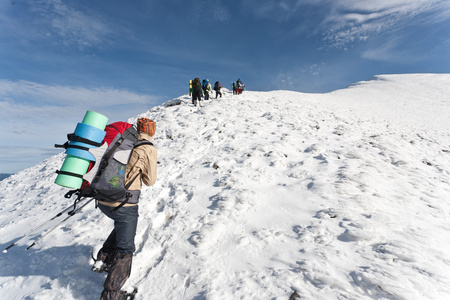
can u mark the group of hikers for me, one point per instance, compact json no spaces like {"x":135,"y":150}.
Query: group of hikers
{"x":238,"y":87}
{"x":199,"y":89}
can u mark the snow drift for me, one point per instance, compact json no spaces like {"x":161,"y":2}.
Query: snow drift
{"x":263,"y":195}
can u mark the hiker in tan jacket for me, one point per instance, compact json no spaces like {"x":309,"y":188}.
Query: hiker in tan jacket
{"x":139,"y":162}
{"x":116,"y":255}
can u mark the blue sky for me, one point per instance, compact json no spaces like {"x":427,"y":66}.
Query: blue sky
{"x":59,"y":58}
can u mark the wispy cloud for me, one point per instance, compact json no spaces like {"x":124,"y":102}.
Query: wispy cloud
{"x":343,"y":22}
{"x":350,"y":21}
{"x":37,"y":94}
{"x":39,"y":116}
{"x":70,"y":26}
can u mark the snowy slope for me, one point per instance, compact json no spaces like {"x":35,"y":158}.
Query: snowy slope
{"x":336,"y":196}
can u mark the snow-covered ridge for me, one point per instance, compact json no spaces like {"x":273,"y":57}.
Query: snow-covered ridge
{"x":335,"y":196}
{"x":420,"y":101}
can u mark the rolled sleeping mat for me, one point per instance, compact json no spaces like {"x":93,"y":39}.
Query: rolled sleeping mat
{"x":95,"y":119}
{"x":76,"y":164}
{"x":73,"y":166}
{"x":87,"y":132}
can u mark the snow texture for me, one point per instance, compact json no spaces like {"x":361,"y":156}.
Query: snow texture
{"x":263,"y":195}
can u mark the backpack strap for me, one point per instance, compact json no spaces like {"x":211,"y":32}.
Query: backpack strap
{"x":75,"y":138}
{"x":69,"y":174}
{"x":128,"y":195}
{"x":129,"y":134}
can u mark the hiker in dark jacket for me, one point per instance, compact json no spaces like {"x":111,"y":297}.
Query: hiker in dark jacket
{"x":217,"y":87}
{"x":196,"y":91}
{"x":233,"y":85}
{"x":117,"y":252}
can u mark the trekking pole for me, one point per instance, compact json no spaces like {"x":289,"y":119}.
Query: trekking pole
{"x":73,"y":212}
{"x":37,"y":228}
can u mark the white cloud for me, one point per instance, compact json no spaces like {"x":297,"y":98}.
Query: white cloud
{"x":346,"y":21}
{"x":350,"y":20}
{"x":37,"y":115}
{"x":314,"y":69}
{"x":36,"y":94}
{"x":71,"y":27}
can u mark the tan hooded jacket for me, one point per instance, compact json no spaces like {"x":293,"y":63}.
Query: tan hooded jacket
{"x":142,"y":159}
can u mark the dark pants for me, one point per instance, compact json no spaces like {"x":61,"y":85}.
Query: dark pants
{"x":196,"y":96}
{"x":218,"y":93}
{"x":117,"y":251}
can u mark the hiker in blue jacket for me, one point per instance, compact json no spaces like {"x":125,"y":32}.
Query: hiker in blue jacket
{"x":206,"y":88}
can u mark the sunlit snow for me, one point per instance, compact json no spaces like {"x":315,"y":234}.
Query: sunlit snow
{"x":342,"y":195}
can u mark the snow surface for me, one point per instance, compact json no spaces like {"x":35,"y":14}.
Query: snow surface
{"x":342,"y":195}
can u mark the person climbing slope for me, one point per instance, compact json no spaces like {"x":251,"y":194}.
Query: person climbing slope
{"x":217,"y":87}
{"x":116,"y":255}
{"x":196,"y":91}
{"x":206,"y":88}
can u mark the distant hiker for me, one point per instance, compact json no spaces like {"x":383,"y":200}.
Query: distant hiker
{"x":239,"y":86}
{"x":233,"y":86}
{"x":196,"y":91}
{"x":206,"y":88}
{"x":117,"y":252}
{"x":217,"y":87}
